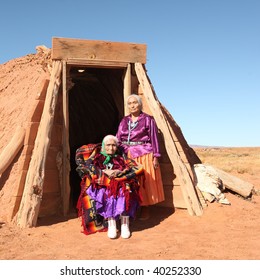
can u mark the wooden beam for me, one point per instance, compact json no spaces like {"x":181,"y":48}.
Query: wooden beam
{"x":65,"y":191}
{"x":96,"y":63}
{"x":235,"y":184}
{"x":127,"y":86}
{"x":11,"y":149}
{"x":33,"y":190}
{"x":67,"y":48}
{"x":189,"y":194}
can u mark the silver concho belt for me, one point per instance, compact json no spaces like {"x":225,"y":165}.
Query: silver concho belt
{"x":133,"y":143}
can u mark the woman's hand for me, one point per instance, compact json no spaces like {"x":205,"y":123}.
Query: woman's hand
{"x":115,"y":173}
{"x":155,"y":162}
{"x":111,"y":173}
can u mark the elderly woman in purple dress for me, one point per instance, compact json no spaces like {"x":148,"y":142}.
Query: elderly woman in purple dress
{"x":138,"y":137}
{"x":114,"y":199}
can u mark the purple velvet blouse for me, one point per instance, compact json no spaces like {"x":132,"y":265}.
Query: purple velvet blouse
{"x":145,"y":131}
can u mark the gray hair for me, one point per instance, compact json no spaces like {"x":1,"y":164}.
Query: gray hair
{"x":137,"y":97}
{"x":110,"y":137}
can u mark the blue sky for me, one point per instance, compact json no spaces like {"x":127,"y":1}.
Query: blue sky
{"x":203,"y":56}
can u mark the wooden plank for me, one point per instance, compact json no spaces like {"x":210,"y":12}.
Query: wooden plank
{"x":33,"y":190}
{"x":127,"y":87}
{"x":12,"y":149}
{"x":96,"y":63}
{"x":189,"y":194}
{"x":178,"y":200}
{"x":173,"y":197}
{"x":65,"y":48}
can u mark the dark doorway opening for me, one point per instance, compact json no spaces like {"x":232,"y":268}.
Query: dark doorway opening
{"x":96,"y":106}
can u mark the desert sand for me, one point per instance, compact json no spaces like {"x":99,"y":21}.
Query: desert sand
{"x":223,"y":232}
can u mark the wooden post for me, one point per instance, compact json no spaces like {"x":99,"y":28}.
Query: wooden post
{"x":127,"y":86}
{"x":65,"y":191}
{"x":33,"y":190}
{"x":188,"y":190}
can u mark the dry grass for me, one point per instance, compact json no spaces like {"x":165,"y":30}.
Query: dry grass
{"x":242,"y":162}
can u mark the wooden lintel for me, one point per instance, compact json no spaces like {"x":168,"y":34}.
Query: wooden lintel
{"x":96,"y":63}
{"x":64,"y":48}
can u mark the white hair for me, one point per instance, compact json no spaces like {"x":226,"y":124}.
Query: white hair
{"x":110,"y":137}
{"x":137,"y":97}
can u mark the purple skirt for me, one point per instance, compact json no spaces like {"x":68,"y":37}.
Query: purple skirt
{"x":109,"y":206}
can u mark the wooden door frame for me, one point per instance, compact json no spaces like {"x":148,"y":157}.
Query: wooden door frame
{"x":66,"y":64}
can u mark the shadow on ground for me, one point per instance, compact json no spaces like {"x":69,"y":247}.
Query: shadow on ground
{"x":157,"y":215}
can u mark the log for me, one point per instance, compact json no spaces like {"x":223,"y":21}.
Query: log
{"x":33,"y":190}
{"x":127,"y":87}
{"x":189,"y":194}
{"x":65,"y":183}
{"x":12,"y":149}
{"x":235,"y":184}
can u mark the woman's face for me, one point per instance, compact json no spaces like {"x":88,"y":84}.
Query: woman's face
{"x":110,"y":147}
{"x":133,"y":106}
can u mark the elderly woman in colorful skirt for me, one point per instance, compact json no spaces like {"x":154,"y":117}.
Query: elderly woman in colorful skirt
{"x":138,"y":137}
{"x":114,"y":187}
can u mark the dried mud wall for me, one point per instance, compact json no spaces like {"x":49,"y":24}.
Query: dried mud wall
{"x":22,"y":85}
